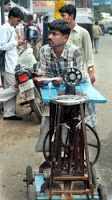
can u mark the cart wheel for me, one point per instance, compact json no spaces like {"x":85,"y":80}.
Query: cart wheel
{"x":94,"y":177}
{"x":29,"y":175}
{"x":93,"y":144}
{"x":31,"y":192}
{"x":102,"y":192}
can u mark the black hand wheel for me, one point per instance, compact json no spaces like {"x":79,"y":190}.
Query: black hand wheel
{"x":73,"y":75}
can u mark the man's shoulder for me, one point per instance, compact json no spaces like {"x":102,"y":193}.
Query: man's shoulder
{"x":83,"y":29}
{"x":46,"y":48}
{"x":73,"y":50}
{"x":72,"y":47}
{"x":4,"y":26}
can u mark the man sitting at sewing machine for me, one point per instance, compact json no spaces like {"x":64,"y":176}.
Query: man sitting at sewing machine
{"x":58,"y":55}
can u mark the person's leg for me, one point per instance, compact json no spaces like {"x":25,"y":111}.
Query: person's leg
{"x":10,"y":91}
{"x":97,"y":45}
{"x":8,"y":96}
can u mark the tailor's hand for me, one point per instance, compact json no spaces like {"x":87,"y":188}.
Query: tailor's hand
{"x":92,"y":76}
{"x":39,"y":83}
{"x":57,"y":81}
{"x":21,"y":42}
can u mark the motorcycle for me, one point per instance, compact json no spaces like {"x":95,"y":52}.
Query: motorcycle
{"x":24,"y":73}
{"x":26,"y":70}
{"x":30,"y":92}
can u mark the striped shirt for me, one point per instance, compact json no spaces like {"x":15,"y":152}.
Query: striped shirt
{"x":51,"y":66}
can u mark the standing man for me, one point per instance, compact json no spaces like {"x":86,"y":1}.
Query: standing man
{"x":7,"y":8}
{"x":80,"y":37}
{"x":97,"y":32}
{"x":9,"y":44}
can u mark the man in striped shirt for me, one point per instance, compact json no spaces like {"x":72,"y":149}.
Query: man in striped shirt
{"x":58,"y":55}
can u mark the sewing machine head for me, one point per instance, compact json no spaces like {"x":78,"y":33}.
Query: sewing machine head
{"x":72,"y":76}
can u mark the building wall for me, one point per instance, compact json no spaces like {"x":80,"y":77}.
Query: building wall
{"x":83,"y":3}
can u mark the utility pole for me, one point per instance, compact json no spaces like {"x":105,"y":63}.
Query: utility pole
{"x":2,"y":12}
{"x":31,"y":6}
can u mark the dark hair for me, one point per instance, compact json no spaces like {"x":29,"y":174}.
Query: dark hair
{"x":16,"y":12}
{"x":30,"y":17}
{"x":69,"y":9}
{"x":96,"y":22}
{"x":7,"y":1}
{"x":61,"y":26}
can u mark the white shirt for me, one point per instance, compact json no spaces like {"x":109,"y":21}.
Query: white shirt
{"x":80,"y":37}
{"x":8,"y":43}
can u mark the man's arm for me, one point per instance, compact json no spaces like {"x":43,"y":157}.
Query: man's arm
{"x":42,"y":70}
{"x":5,"y":40}
{"x":87,"y":46}
{"x":6,"y":43}
{"x":45,"y":70}
{"x":91,"y":73}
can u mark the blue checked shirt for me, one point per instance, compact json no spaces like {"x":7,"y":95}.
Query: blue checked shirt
{"x":51,"y":66}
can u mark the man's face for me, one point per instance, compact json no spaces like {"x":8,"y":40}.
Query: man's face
{"x":56,"y":39}
{"x":30,"y":22}
{"x":7,"y":7}
{"x":65,"y":16}
{"x":15,"y":21}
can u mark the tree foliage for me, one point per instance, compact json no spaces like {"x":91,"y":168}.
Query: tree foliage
{"x":23,"y":3}
{"x":97,"y":14}
{"x":106,"y":9}
{"x":99,"y":9}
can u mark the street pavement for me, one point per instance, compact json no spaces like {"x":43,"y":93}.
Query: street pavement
{"x":103,"y":65}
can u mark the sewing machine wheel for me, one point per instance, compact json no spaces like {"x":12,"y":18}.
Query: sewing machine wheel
{"x":92,"y":141}
{"x":93,"y":144}
{"x":73,"y":75}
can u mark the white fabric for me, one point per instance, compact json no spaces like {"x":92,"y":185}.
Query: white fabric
{"x":7,"y":33}
{"x":27,"y":58}
{"x":8,"y":95}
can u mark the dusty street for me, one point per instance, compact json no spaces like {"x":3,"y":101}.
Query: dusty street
{"x":103,"y":83}
{"x":18,"y":139}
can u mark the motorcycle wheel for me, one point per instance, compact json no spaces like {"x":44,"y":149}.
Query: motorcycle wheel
{"x":37,"y":105}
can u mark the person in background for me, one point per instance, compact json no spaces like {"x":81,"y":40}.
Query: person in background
{"x":79,"y":37}
{"x":38,"y":46}
{"x":9,"y":44}
{"x":97,"y":32}
{"x":7,"y":7}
